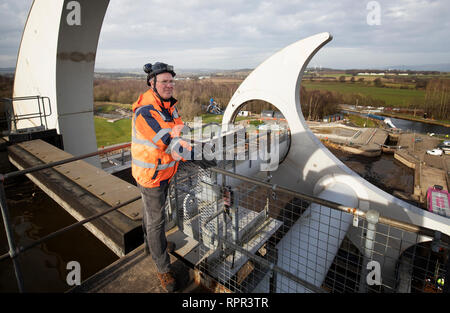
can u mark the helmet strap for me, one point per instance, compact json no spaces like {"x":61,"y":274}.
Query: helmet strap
{"x":154,"y":84}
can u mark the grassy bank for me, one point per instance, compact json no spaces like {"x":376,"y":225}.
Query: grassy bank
{"x":391,"y":96}
{"x":112,"y":133}
{"x":120,"y":131}
{"x":359,"y":121}
{"x":106,"y":106}
{"x":214,"y":118}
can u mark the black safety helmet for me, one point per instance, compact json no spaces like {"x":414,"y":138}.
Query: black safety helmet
{"x":157,"y":68}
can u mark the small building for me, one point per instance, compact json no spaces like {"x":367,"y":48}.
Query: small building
{"x":333,"y":118}
{"x":244,"y":113}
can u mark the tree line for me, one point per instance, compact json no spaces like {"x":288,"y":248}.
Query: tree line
{"x":395,"y":71}
{"x":437,"y":99}
{"x":194,"y":95}
{"x":6,"y":86}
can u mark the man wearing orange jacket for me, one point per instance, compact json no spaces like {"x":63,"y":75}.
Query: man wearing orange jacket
{"x":156,"y":149}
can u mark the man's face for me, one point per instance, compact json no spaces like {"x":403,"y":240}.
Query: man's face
{"x":164,"y":85}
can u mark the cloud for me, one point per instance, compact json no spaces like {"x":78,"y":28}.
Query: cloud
{"x":242,"y":33}
{"x":13,"y":15}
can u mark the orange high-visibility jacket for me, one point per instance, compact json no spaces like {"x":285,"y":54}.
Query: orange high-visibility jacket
{"x":154,"y":128}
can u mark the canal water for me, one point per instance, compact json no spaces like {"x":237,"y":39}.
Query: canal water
{"x":34,"y":215}
{"x":419,"y":127}
{"x":413,"y":126}
{"x":383,"y":171}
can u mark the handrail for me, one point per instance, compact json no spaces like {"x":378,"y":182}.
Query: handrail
{"x":13,"y":251}
{"x":56,"y":163}
{"x":42,"y":114}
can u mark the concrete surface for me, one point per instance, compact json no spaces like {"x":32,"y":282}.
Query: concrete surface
{"x":136,"y":273}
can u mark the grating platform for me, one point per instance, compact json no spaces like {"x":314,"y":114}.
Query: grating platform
{"x":225,"y":268}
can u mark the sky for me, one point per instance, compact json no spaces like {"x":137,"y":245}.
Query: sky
{"x":235,"y":34}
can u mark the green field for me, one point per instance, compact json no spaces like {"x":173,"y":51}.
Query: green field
{"x":106,"y":108}
{"x":112,"y":133}
{"x":215,"y":118}
{"x":391,"y":96}
{"x":109,"y":107}
{"x":120,"y":131}
{"x":211,"y":118}
{"x":359,"y":121}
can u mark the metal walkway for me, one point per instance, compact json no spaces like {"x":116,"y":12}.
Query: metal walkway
{"x":83,"y":190}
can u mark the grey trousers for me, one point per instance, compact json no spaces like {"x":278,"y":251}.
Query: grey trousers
{"x":154,"y":219}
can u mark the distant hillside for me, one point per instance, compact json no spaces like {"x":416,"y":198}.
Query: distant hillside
{"x":179,"y":71}
{"x":7,"y":70}
{"x":422,"y":67}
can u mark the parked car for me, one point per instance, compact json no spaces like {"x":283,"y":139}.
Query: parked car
{"x":444,"y":148}
{"x":446,"y":143}
{"x":434,"y":152}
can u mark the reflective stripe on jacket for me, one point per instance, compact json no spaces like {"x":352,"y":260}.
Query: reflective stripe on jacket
{"x":154,"y":125}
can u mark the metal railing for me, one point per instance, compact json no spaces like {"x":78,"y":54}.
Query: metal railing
{"x":15,"y":251}
{"x":258,"y":241}
{"x":243,"y":230}
{"x":113,"y":162}
{"x":42,"y":113}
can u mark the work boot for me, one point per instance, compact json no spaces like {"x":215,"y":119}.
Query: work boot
{"x":168,"y":281}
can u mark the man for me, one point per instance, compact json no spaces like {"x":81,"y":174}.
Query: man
{"x":211,"y":105}
{"x":156,"y":150}
{"x":156,"y":124}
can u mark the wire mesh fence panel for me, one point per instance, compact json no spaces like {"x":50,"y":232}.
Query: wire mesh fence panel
{"x":254,"y":239}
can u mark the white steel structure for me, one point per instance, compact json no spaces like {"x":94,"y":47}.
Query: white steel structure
{"x":56,"y":59}
{"x":309,"y":166}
